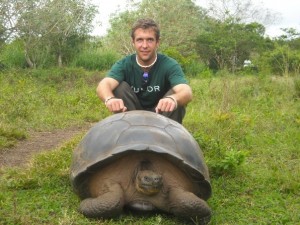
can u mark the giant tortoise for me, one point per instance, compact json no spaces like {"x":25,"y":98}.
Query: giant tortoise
{"x":141,"y":161}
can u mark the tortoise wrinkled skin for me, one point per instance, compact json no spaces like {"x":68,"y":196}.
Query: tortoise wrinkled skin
{"x":142,"y":161}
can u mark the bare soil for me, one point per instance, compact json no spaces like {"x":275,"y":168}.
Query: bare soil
{"x":19,"y":155}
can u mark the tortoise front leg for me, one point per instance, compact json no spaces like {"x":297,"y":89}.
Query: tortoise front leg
{"x":188,"y":205}
{"x":107,"y":205}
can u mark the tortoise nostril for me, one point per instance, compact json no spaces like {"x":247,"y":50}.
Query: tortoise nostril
{"x":152,"y":180}
{"x":157,"y":179}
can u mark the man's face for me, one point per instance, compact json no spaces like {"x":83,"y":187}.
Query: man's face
{"x":145,"y":44}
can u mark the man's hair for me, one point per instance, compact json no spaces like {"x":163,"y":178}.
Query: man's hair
{"x":146,"y":24}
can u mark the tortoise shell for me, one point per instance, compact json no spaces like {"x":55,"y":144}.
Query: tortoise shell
{"x":140,"y":131}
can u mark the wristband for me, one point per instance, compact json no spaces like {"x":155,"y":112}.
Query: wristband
{"x":109,"y":98}
{"x":173,"y":100}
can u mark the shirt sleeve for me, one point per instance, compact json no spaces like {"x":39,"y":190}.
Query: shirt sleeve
{"x":176,"y":76}
{"x":117,"y":71}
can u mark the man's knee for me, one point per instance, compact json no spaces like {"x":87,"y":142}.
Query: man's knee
{"x":121,"y":89}
{"x":124,"y":91}
{"x":177,"y":115}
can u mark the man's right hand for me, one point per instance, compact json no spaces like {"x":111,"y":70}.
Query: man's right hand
{"x":116,"y":105}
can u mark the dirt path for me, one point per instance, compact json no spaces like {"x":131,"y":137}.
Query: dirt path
{"x":19,"y":155}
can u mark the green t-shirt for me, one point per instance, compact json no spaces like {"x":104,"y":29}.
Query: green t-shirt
{"x":164,"y":74}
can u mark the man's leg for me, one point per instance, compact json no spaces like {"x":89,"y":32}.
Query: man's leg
{"x":130,"y":99}
{"x":178,"y":114}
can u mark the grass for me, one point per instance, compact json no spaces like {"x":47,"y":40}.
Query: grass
{"x":247,"y":127}
{"x":46,"y":100}
{"x":256,"y":118}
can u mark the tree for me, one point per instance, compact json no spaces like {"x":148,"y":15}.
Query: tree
{"x":70,"y":22}
{"x":180,"y":22}
{"x":285,"y":58}
{"x":53,"y":27}
{"x":225,"y":45}
{"x":7,"y":19}
{"x":240,"y":11}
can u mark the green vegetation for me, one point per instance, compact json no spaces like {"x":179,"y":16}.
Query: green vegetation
{"x":96,"y":60}
{"x":41,"y":35}
{"x":45,"y":100}
{"x":246,"y":120}
{"x":247,"y":127}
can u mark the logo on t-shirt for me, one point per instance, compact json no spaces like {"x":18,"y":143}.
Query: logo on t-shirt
{"x":148,"y":89}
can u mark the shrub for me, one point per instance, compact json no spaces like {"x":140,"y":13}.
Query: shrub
{"x":96,"y":60}
{"x":191,"y":65}
{"x":12,"y":56}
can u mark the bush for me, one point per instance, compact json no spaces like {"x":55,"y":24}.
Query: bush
{"x":12,"y":56}
{"x":191,"y":65}
{"x":284,"y":61}
{"x":96,"y":60}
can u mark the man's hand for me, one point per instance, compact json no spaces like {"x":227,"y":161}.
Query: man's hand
{"x":167,"y":104}
{"x":115,"y":105}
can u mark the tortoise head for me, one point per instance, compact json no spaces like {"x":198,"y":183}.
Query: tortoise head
{"x":147,"y":181}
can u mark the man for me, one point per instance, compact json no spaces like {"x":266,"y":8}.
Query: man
{"x":146,"y":80}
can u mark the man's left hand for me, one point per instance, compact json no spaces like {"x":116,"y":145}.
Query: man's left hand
{"x":167,"y":104}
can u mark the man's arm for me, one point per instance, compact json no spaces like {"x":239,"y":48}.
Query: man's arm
{"x":182,"y":95}
{"x":105,"y":88}
{"x":105,"y":93}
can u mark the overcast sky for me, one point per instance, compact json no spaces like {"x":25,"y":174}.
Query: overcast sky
{"x":287,"y":10}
